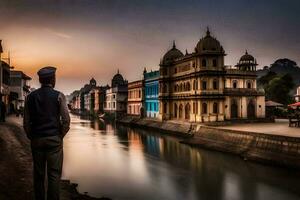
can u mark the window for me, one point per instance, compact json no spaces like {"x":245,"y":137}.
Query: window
{"x":249,"y":85}
{"x":204,"y":108}
{"x":215,"y":108}
{"x":175,"y":70}
{"x":203,"y":63}
{"x":139,"y":93}
{"x":214,"y":63}
{"x":215,"y":84}
{"x":204,"y":85}
{"x":188,"y":86}
{"x":234,"y":84}
{"x":165,"y":108}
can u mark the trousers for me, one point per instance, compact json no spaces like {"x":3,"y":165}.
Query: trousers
{"x":47,"y":154}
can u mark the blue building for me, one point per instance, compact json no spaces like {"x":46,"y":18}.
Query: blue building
{"x":151,"y":93}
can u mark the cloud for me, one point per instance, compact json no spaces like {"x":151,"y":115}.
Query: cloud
{"x":58,"y":33}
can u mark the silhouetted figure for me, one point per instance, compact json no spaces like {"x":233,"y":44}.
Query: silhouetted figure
{"x":2,"y":111}
{"x":46,"y":122}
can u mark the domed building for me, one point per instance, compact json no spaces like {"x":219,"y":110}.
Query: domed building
{"x":247,"y":63}
{"x":116,"y":96}
{"x":117,"y":80}
{"x":198,"y":87}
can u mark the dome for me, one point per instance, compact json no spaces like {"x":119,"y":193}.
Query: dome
{"x":117,"y":80}
{"x":93,"y":82}
{"x":247,"y":62}
{"x":247,"y":57}
{"x":209,"y":44}
{"x":172,"y":54}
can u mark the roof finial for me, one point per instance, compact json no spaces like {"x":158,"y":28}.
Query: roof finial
{"x":246,"y":52}
{"x":186,"y":52}
{"x":207,"y":31}
{"x":118,"y":72}
{"x":174,"y":45}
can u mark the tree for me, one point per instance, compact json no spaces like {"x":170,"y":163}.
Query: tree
{"x":278,"y":89}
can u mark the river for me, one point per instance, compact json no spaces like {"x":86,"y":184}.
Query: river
{"x":134,"y":164}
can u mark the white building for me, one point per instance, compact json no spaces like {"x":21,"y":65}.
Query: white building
{"x":19,"y":88}
{"x":297,"y":96}
{"x":116,"y":96}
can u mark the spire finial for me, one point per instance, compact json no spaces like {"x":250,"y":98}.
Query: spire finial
{"x":174,"y":45}
{"x":207,"y":31}
{"x":186,"y":52}
{"x":246,"y":52}
{"x":118,"y":72}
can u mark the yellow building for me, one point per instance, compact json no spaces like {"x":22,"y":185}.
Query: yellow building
{"x":198,"y":87}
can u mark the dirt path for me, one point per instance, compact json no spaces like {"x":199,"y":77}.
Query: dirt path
{"x":16,"y":166}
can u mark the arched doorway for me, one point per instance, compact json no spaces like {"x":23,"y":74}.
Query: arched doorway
{"x":180,"y":111}
{"x":251,"y":110}
{"x":187,"y":111}
{"x":175,"y":110}
{"x":234,"y":109}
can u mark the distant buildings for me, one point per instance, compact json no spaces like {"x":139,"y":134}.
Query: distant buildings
{"x":13,"y":86}
{"x":151,"y":102}
{"x":116,"y":96}
{"x":135,"y":98}
{"x":19,"y":89}
{"x":190,"y":87}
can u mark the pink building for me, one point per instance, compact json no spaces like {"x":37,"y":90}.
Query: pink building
{"x":135,"y":98}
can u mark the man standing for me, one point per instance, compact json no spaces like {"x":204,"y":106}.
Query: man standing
{"x":46,"y":122}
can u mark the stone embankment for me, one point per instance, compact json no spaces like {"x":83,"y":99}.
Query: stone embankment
{"x":266,"y":148}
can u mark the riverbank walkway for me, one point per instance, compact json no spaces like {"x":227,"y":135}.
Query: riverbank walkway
{"x":280,"y":127}
{"x":16,"y":166}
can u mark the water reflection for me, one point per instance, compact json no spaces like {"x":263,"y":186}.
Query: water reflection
{"x":127,"y":163}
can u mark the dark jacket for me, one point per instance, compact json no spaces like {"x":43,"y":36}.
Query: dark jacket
{"x":46,"y":113}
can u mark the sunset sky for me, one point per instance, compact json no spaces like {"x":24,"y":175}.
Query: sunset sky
{"x":95,"y":38}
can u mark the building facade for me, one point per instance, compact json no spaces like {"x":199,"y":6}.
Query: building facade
{"x":198,"y":87}
{"x":4,"y":78}
{"x":151,"y":91}
{"x":97,"y":99}
{"x":19,"y":89}
{"x":116,"y":96}
{"x":297,"y":96}
{"x":135,"y":98}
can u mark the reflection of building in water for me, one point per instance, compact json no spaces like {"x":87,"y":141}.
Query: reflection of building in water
{"x":198,"y":86}
{"x":116,"y":96}
{"x":135,"y":98}
{"x":151,"y":102}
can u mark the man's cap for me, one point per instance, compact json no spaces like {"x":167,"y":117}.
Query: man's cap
{"x":46,"y":72}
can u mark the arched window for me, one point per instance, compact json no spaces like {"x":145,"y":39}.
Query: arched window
{"x":204,"y":108}
{"x":181,"y":87}
{"x":188,"y":86}
{"x":234,"y":85}
{"x":215,"y":63}
{"x":215,"y":108}
{"x":175,"y":89}
{"x":249,"y":85}
{"x":165,"y":88}
{"x":215,"y":84}
{"x":194,"y":85}
{"x":204,"y":85}
{"x":175,"y":110}
{"x":204,"y":63}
